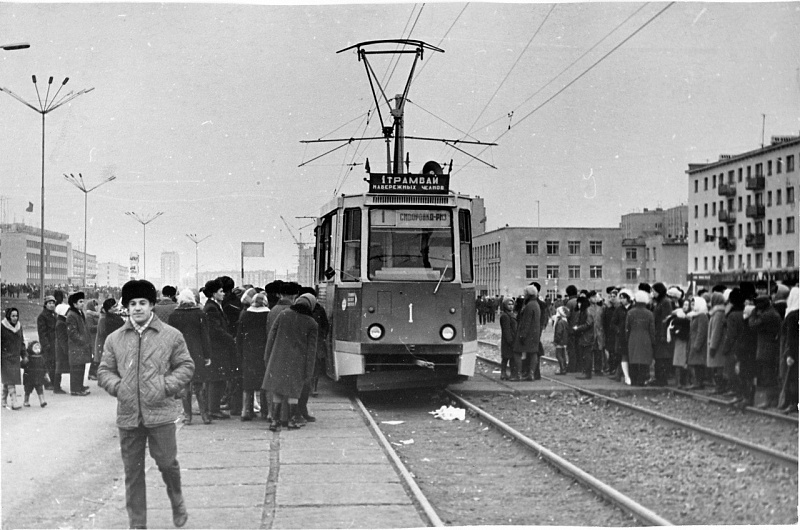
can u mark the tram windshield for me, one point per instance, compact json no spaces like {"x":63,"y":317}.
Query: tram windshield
{"x":406,"y":244}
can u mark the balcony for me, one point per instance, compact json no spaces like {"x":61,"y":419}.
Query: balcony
{"x":754,"y":240}
{"x":726,"y":216}
{"x":755,"y":183}
{"x":727,"y":244}
{"x":727,"y":190}
{"x":755,"y":211}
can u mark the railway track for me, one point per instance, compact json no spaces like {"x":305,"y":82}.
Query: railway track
{"x":531,"y":466}
{"x":760,"y":450}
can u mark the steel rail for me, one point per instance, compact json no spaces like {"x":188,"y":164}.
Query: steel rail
{"x":426,"y":506}
{"x":600,"y":488}
{"x":771,"y":454}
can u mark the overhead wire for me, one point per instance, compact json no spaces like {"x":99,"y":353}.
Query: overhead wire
{"x":586,"y":71}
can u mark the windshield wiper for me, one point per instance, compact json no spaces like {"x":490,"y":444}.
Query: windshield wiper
{"x":441,"y":278}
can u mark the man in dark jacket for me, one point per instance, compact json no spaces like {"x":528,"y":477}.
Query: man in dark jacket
{"x":741,"y":342}
{"x":145,"y":365}
{"x":572,"y":318}
{"x":46,"y":327}
{"x":529,"y":332}
{"x":766,"y":322}
{"x":164,"y":308}
{"x":662,"y":352}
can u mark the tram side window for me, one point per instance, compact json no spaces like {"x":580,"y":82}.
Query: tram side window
{"x":465,"y":240}
{"x":351,"y":249}
{"x":324,"y":247}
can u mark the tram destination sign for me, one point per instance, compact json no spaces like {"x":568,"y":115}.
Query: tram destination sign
{"x":408,"y":183}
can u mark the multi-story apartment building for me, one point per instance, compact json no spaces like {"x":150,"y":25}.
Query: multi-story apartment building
{"x":654,"y":246}
{"x":171,"y":268}
{"x":79,"y":261}
{"x":20,"y":247}
{"x":112,"y":274}
{"x":743,"y":215}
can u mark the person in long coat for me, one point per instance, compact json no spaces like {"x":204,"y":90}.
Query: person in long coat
{"x":716,"y":332}
{"x":46,"y":328}
{"x":679,"y":327}
{"x":12,"y":350}
{"x":640,"y":329}
{"x":79,"y":344}
{"x":508,"y":330}
{"x":662,"y":350}
{"x":529,"y":332}
{"x":618,"y":323}
{"x":251,"y":340}
{"x":584,"y":330}
{"x":698,"y":342}
{"x":223,"y":347}
{"x":740,"y":344}
{"x":291,"y":347}
{"x":61,"y":347}
{"x":560,"y":338}
{"x":766,"y":321}
{"x":790,"y":333}
{"x":92,"y":321}
{"x":191,"y":321}
{"x":109,"y":322}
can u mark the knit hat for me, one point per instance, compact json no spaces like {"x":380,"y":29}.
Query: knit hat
{"x":49,"y":298}
{"x":74,"y":297}
{"x":531,"y":290}
{"x":138,"y":289}
{"x":781,"y":292}
{"x":307,"y":299}
{"x":187,"y":297}
{"x":641,"y":297}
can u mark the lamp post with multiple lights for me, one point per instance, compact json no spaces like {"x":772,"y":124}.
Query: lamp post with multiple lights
{"x":45,"y":106}
{"x":197,"y":242}
{"x":78,"y":183}
{"x":144,"y":220}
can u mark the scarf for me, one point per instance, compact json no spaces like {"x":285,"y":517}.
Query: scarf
{"x":13,"y":329}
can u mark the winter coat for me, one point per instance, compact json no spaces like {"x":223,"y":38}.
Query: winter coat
{"x":62,"y":345}
{"x":191,"y":321}
{"x":323,"y":327}
{"x":12,"y":346}
{"x":789,"y":329}
{"x":108,"y":324}
{"x":618,"y":324}
{"x":164,"y":308}
{"x":739,"y":341}
{"x":223,"y":347}
{"x":597,"y":317}
{"x":529,"y":328}
{"x":145,"y":373}
{"x":291,"y":347}
{"x":281,"y":306}
{"x":251,"y":340}
{"x":678,"y":328}
{"x":698,"y":340}
{"x":767,"y":325}
{"x":561,"y":332}
{"x":92,"y":321}
{"x":716,"y":333}
{"x":80,"y":345}
{"x":585,"y":332}
{"x":508,"y":332}
{"x":609,"y":331}
{"x":232,"y":307}
{"x":35,"y":370}
{"x":662,"y":348}
{"x":46,"y":327}
{"x":572,"y":317}
{"x":641,"y":330}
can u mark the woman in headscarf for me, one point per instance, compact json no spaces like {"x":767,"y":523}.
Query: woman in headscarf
{"x":679,"y":331}
{"x":789,"y":343}
{"x":698,"y":341}
{"x":716,"y":331}
{"x":12,"y":345}
{"x":640,"y":329}
{"x":291,"y":347}
{"x":190,"y":320}
{"x":251,"y":339}
{"x":508,"y":330}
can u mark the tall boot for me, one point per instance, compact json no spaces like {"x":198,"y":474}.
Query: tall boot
{"x":5,"y":396}
{"x":697,"y":378}
{"x":187,"y":405}
{"x":678,"y":377}
{"x":42,"y":402}
{"x":562,"y":361}
{"x":626,"y":372}
{"x":265,"y":406}
{"x":12,"y":398}
{"x":292,"y":421}
{"x":247,"y":405}
{"x":202,"y":402}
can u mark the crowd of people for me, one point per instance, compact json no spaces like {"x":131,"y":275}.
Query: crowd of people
{"x":736,"y":340}
{"x":227,"y":331}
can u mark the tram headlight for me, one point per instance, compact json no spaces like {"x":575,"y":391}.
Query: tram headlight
{"x":375,"y":331}
{"x":447,"y":332}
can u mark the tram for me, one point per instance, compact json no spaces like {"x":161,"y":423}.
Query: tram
{"x":393,"y":268}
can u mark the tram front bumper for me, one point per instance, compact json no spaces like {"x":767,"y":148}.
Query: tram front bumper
{"x":354,"y":358}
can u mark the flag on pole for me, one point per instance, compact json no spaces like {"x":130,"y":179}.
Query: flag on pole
{"x":30,"y":207}
{"x":252,"y":250}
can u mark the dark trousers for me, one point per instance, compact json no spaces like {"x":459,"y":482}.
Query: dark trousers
{"x":598,"y":357}
{"x":76,"y":372}
{"x":215,"y":391}
{"x":586,"y":359}
{"x":164,"y":450}
{"x":234,"y":386}
{"x":528,"y":364}
{"x":572,"y":355}
{"x":663,"y":369}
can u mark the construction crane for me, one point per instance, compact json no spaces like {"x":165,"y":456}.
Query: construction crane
{"x":305,"y":265}
{"x":299,"y":242}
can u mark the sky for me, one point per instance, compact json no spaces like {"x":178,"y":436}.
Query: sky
{"x":199,"y":111}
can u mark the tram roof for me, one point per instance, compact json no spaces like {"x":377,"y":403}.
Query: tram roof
{"x":338,"y":202}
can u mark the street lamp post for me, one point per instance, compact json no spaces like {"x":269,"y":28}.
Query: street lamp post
{"x":197,"y":242}
{"x":46,"y":106}
{"x":78,"y":183}
{"x":146,"y":220}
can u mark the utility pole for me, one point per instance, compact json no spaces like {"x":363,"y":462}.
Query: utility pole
{"x":197,"y":242}
{"x":146,"y":220}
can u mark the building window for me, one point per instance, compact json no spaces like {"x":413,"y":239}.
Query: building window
{"x":705,"y":240}
{"x":695,"y":236}
{"x":779,"y":166}
{"x":705,"y":210}
{"x":769,"y":227}
{"x":595,"y":248}
{"x":777,"y":197}
{"x":552,"y":271}
{"x":714,"y":181}
{"x":631,"y":254}
{"x":749,"y":261}
{"x":759,"y":260}
{"x":769,"y":198}
{"x":574,"y":272}
{"x":749,"y":172}
{"x":654,"y":254}
{"x":790,"y":163}
{"x":790,"y":195}
{"x":531,"y":248}
{"x":740,"y":174}
{"x":778,"y":226}
{"x":695,"y":211}
{"x":531,"y":272}
{"x":595,"y":271}
{"x":769,"y":167}
{"x":574,"y":248}
{"x":790,"y":225}
{"x":730,"y":261}
{"x":713,"y":208}
{"x":552,"y":248}
{"x":740,"y":204}
{"x":705,"y":263}
{"x":705,"y":184}
{"x":740,"y":261}
{"x":713,"y":262}
{"x":778,"y":254}
{"x":759,"y":170}
{"x":790,"y":258}
{"x":696,"y":185}
{"x":730,"y":176}
{"x":630,"y":274}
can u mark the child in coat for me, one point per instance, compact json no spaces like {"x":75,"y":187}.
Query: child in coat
{"x":560,"y":338}
{"x":33,"y":378}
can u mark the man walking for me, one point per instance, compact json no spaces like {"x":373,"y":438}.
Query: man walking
{"x":145,"y":365}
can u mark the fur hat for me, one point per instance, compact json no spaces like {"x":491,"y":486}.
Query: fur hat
{"x":531,"y":290}
{"x":169,"y":291}
{"x":307,"y":299}
{"x":736,"y":297}
{"x":641,"y":297}
{"x":227,"y":283}
{"x":660,"y":288}
{"x":762,"y":301}
{"x":273,"y":287}
{"x":645,"y":287}
{"x":74,"y":297}
{"x":108,"y":304}
{"x":187,"y":297}
{"x":748,"y":290}
{"x":289,"y":288}
{"x":611,"y":289}
{"x":537,"y":285}
{"x":49,"y":298}
{"x":719,"y":288}
{"x":675,"y":292}
{"x":572,"y":290}
{"x":211,"y":287}
{"x":247,"y":296}
{"x":138,"y":289}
